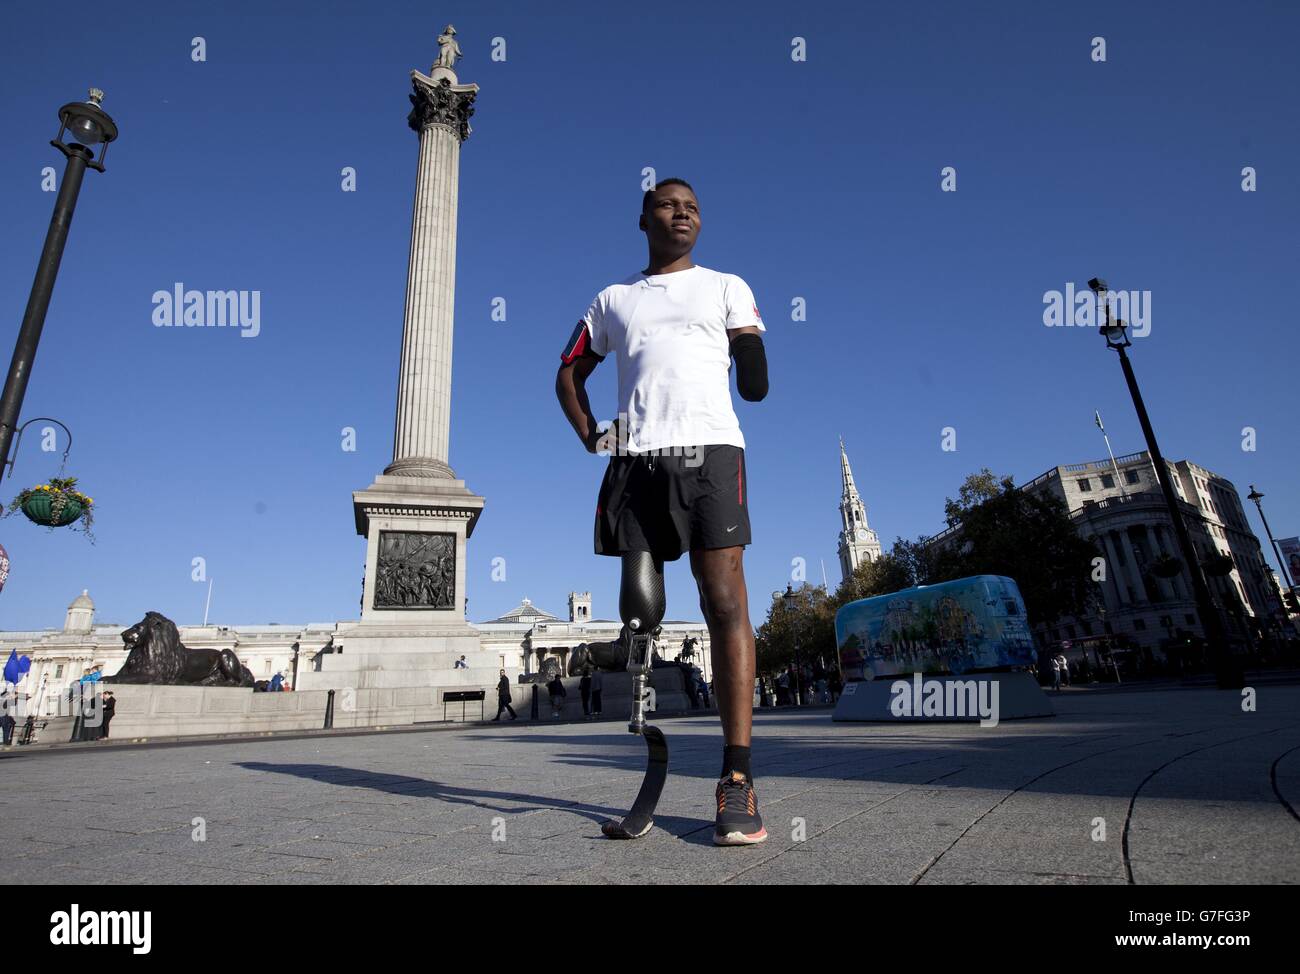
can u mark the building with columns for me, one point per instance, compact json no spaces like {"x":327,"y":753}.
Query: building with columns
{"x":518,"y":642}
{"x":60,"y":657}
{"x":1119,"y":506}
{"x":858,"y":543}
{"x":527,"y":635}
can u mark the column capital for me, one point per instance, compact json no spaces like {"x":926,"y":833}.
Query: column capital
{"x":439,"y":102}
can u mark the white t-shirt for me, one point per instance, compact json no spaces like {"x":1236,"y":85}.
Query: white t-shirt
{"x":670,"y":334}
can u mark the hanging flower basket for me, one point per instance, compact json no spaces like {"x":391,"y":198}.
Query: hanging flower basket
{"x":1219,"y":565}
{"x":1166,"y":566}
{"x":57,"y":504}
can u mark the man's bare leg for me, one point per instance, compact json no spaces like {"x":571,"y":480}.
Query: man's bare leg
{"x":720,"y":576}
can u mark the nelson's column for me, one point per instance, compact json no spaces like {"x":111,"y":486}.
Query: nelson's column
{"x":417,"y":515}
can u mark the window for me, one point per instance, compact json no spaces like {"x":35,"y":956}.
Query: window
{"x":1107,"y":480}
{"x":1140,"y":625}
{"x":1131,"y":476}
{"x":58,"y":671}
{"x":1084,"y":485}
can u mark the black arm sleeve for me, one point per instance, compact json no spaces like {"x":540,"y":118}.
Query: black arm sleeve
{"x":751,"y":366}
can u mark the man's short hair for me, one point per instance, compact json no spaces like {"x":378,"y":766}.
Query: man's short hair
{"x":670,"y":181}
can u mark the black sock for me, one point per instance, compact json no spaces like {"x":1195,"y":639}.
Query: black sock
{"x":735,"y":758}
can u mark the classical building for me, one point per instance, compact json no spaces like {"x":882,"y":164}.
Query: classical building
{"x":520,"y":640}
{"x":60,"y":657}
{"x":1146,"y":603}
{"x":858,"y":543}
{"x":527,"y":635}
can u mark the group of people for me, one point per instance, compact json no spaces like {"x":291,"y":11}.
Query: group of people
{"x":85,"y":727}
{"x":1060,"y":671}
{"x":591,"y":687}
{"x":811,"y":686}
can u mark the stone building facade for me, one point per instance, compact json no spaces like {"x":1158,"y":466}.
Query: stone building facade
{"x":1120,"y":507}
{"x":521,"y":640}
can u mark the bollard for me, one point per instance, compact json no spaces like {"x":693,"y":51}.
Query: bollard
{"x":329,"y":710}
{"x":535,"y":711}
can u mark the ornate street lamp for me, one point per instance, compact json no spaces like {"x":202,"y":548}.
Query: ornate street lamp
{"x":1256,"y":496}
{"x":89,"y":126}
{"x":1227,"y":675}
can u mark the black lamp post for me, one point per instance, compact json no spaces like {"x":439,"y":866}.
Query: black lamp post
{"x":1227,"y":676}
{"x":88,"y":125}
{"x":1256,"y":496}
{"x":791,"y":600}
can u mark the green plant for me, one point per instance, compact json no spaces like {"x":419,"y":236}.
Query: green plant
{"x":57,"y":504}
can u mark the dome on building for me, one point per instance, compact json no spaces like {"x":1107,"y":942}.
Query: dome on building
{"x":527,"y":613}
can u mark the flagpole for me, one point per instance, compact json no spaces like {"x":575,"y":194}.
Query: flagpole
{"x":208,"y":604}
{"x":1118,"y":479}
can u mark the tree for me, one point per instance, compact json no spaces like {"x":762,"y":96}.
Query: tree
{"x":811,"y":621}
{"x":1027,"y":537}
{"x":888,"y":573}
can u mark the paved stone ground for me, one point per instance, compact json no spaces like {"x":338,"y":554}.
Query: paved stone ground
{"x":1192,"y":790}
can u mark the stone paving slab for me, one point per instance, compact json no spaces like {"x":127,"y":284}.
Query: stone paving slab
{"x":1190,"y":789}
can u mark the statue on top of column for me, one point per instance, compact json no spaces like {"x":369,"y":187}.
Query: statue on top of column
{"x":448,"y":49}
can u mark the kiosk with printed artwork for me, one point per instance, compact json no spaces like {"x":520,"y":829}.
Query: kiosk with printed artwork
{"x":958,"y":650}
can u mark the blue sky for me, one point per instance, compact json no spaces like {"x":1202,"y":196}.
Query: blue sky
{"x":818,"y":180}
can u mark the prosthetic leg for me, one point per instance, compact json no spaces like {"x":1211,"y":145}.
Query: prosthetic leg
{"x":641,"y":607}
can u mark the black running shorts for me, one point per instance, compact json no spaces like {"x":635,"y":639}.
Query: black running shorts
{"x":689,"y":498}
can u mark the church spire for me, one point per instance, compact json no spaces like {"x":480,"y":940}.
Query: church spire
{"x":846,"y":473}
{"x":858,"y":543}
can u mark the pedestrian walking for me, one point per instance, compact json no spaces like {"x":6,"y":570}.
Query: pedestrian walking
{"x":8,"y":704}
{"x":597,"y":685}
{"x":584,"y":688}
{"x":556,"y":689}
{"x":503,"y":697}
{"x":110,"y":708}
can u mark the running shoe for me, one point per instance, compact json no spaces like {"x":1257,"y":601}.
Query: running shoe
{"x":738,"y":821}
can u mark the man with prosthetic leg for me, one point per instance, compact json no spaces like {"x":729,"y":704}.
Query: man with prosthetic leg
{"x":676,"y":482}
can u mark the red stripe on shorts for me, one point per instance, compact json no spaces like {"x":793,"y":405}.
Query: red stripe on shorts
{"x":739,"y":496}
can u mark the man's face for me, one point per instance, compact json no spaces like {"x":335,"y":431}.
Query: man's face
{"x":671,"y":221}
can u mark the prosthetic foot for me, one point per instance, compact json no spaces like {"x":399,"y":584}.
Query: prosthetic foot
{"x":641,"y":608}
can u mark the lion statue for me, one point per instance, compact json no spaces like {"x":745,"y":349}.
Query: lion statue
{"x":155,"y":655}
{"x":611,"y":656}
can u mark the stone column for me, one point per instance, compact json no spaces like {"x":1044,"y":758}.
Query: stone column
{"x":1139,"y":587}
{"x":440,"y":114}
{"x":417,"y":516}
{"x":1120,"y":583}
